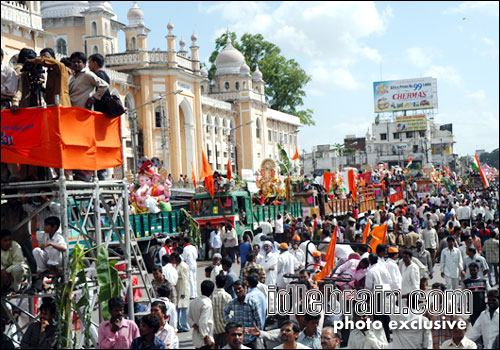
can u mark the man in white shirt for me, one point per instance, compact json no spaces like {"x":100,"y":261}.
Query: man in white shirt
{"x":279,"y":225}
{"x":377,"y":274}
{"x":431,"y":240}
{"x":487,"y":323}
{"x":266,"y":227}
{"x":411,"y":337}
{"x":217,"y":267}
{"x":296,"y":251}
{"x":190,"y":255}
{"x":464,"y":213}
{"x":48,"y":255}
{"x":366,"y":339}
{"x":216,"y":241}
{"x":451,"y":264}
{"x":286,"y":265}
{"x":170,"y":273}
{"x":410,"y":275}
{"x":458,"y":339}
{"x":393,"y":268}
{"x":201,"y":317}
{"x":166,"y":333}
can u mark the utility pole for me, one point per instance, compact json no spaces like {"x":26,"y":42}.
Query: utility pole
{"x":133,"y":120}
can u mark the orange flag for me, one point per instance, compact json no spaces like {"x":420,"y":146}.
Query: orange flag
{"x":378,"y":236}
{"x":352,"y":183}
{"x":366,"y":232}
{"x":193,"y":176}
{"x":296,"y":155}
{"x":208,"y":175}
{"x":229,"y":174}
{"x":330,"y":258}
{"x":327,"y":181}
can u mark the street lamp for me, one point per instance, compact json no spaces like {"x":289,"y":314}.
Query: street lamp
{"x":230,"y":139}
{"x":133,"y":119}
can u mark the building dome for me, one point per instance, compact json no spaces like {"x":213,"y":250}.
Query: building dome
{"x":135,"y":16}
{"x":257,"y":75}
{"x":100,"y":5}
{"x":204,"y":72}
{"x":57,"y":9}
{"x":229,"y":60}
{"x":245,"y":70}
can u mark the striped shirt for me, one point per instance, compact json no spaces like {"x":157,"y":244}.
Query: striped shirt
{"x":220,"y":298}
{"x":246,"y":313}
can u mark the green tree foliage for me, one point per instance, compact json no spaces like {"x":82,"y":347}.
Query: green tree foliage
{"x":490,"y":158}
{"x":284,"y":78}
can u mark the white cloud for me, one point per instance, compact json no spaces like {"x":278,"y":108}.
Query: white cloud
{"x":469,"y":7}
{"x":478,"y":96}
{"x":446,"y":74}
{"x":330,"y":34}
{"x":419,"y":57}
{"x":491,"y":49}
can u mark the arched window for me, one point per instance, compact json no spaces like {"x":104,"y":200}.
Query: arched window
{"x":209,"y":123}
{"x":106,"y":29}
{"x":93,"y":29}
{"x":217,"y":125}
{"x":244,"y":85}
{"x":226,"y":86}
{"x":132,"y":43}
{"x":107,"y":50}
{"x":202,"y":88}
{"x":61,"y":47}
{"x":237,"y":85}
{"x":224,"y":126}
{"x":95,"y":49}
{"x":258,"y":128}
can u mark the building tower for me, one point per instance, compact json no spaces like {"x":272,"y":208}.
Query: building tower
{"x":100,"y":38}
{"x":136,"y":33}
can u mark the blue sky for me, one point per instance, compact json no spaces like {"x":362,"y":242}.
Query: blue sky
{"x":345,"y":47}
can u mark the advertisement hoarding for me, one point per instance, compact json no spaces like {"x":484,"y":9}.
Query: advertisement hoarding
{"x":411,"y":123}
{"x":408,"y":94}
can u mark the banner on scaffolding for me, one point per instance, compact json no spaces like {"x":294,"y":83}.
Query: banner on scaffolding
{"x":61,"y":137}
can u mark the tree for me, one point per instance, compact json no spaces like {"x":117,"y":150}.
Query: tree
{"x":284,"y":78}
{"x":490,"y":158}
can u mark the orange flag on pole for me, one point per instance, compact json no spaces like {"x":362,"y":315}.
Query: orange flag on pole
{"x":296,"y":155}
{"x":208,"y":175}
{"x":378,"y":236}
{"x":193,"y":176}
{"x":366,"y":232}
{"x":229,"y":174}
{"x":352,"y":183}
{"x":330,"y":258}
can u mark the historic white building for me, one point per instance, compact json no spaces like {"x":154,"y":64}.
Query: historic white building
{"x":228,"y":118}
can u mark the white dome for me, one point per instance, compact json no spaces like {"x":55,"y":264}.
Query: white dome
{"x":100,"y":5}
{"x":245,"y":70}
{"x":135,"y":16}
{"x":257,"y":75}
{"x":57,"y":9}
{"x":204,"y":72}
{"x":229,"y":60}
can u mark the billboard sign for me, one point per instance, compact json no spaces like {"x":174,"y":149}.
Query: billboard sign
{"x":411,"y":123}
{"x":402,"y":95}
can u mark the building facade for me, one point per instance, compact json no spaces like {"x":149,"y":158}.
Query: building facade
{"x":227,"y":118}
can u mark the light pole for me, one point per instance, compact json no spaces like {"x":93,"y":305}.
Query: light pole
{"x":133,"y":119}
{"x":230,"y":141}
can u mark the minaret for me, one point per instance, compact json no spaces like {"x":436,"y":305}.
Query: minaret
{"x":99,"y":36}
{"x":195,"y":55}
{"x":172,"y":63}
{"x":136,"y":33}
{"x":258,"y":83}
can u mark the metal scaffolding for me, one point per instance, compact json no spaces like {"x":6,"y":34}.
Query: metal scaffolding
{"x":92,"y":214}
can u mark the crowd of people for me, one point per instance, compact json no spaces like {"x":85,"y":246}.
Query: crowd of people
{"x":459,"y":230}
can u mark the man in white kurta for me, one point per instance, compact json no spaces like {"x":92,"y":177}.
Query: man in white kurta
{"x":268,"y":259}
{"x":190,"y":255}
{"x":286,"y":264}
{"x":451,"y":264}
{"x":410,"y":274}
{"x":393,"y":268}
{"x":201,"y":317}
